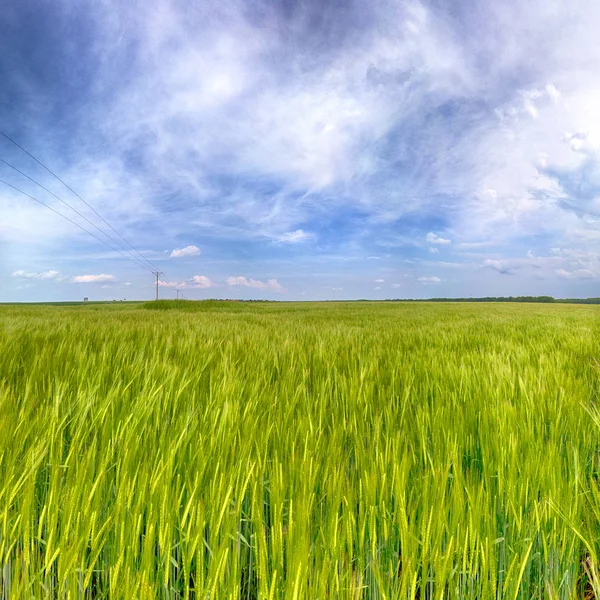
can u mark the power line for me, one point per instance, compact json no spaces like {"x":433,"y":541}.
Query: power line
{"x":73,"y":222}
{"x":78,"y":196}
{"x":75,"y":211}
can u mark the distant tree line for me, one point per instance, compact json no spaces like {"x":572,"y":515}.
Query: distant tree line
{"x":539,"y":299}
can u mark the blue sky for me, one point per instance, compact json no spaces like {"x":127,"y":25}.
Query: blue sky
{"x":303,"y":150}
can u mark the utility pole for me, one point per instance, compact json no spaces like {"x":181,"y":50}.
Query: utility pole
{"x":157,"y":273}
{"x":177,"y":294}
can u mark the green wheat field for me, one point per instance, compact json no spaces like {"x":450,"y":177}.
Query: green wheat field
{"x":221,"y":450}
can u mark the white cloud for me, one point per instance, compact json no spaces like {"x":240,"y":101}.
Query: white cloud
{"x":396,"y":285}
{"x":270,"y":285}
{"x":432,"y":238}
{"x":102,"y":278}
{"x":293,"y":237}
{"x":377,"y":288}
{"x":20,"y":274}
{"x":529,"y":102}
{"x":501,"y":266}
{"x":564,"y":263}
{"x":434,"y":250}
{"x":473,"y":245}
{"x":187,"y":251}
{"x":576,"y":274}
{"x":426,"y":280}
{"x":195,"y":282}
{"x":380,"y":281}
{"x":200,"y":281}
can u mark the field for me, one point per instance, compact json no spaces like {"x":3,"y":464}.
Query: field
{"x":300,"y":451}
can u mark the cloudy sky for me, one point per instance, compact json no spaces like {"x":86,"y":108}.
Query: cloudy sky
{"x":300,"y":150}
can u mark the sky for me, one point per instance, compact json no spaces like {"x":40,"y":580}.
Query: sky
{"x":319,"y":149}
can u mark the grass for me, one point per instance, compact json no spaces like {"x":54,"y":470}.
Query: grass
{"x":299,"y":451}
